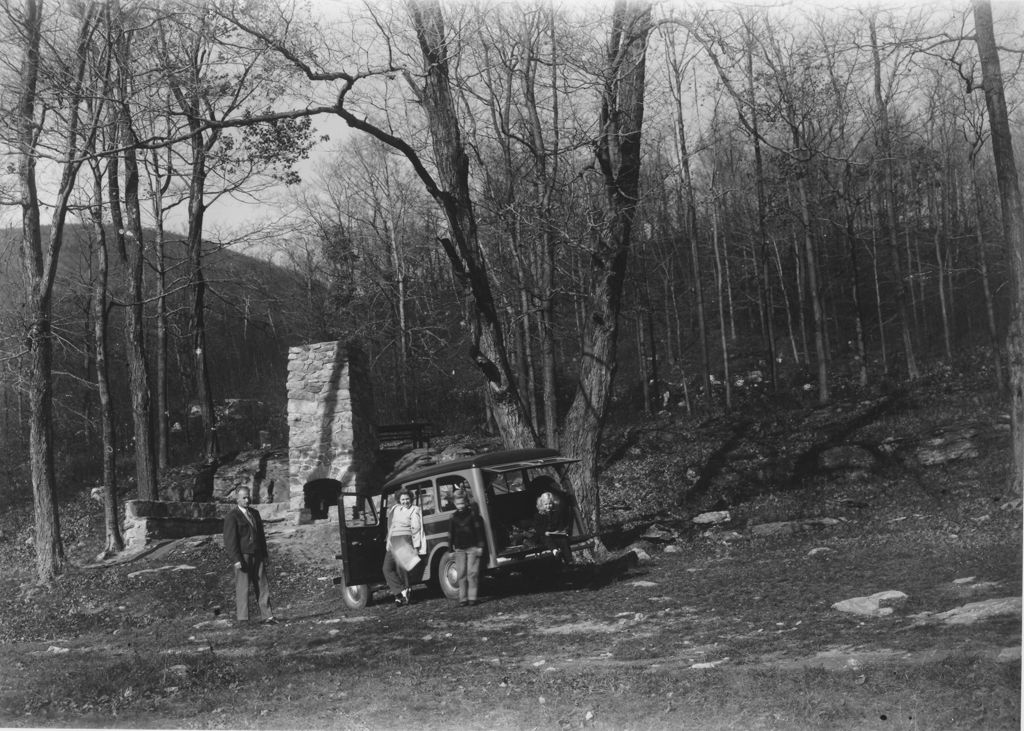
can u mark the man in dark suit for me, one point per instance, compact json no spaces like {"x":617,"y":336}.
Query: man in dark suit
{"x":246,"y":544}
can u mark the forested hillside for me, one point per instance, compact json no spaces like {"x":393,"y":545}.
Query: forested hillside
{"x":545,"y":216}
{"x":256,"y":312}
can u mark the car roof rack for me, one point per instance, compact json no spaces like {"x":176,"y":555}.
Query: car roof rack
{"x":503,"y":461}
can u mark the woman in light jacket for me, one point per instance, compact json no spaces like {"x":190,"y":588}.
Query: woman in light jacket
{"x":405,"y":544}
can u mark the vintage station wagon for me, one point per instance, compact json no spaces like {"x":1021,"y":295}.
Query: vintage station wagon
{"x":504,"y":487}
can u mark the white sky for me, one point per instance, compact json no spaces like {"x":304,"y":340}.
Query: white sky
{"x":228,"y":216}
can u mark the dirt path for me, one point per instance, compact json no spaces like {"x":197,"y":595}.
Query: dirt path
{"x":659,"y":644}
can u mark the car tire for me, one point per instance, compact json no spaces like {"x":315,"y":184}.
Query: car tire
{"x":447,"y":576}
{"x":355,"y":597}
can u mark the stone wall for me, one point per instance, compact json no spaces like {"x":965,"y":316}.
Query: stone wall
{"x":147,"y":520}
{"x":330,"y":419}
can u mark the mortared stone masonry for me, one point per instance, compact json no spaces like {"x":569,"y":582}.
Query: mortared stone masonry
{"x":331,"y":435}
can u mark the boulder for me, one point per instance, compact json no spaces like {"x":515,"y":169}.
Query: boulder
{"x":713,"y":517}
{"x":658,"y":534}
{"x":639,"y":554}
{"x":264,"y":472}
{"x":876,"y":605}
{"x":239,"y":472}
{"x":948,"y":445}
{"x":975,"y":611}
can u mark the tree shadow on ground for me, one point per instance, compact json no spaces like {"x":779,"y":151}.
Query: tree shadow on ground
{"x":589,"y":577}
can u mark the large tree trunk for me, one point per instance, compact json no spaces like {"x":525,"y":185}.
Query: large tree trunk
{"x":452,"y":193}
{"x":618,"y":156}
{"x":40,"y":268}
{"x":49,"y":550}
{"x":1013,"y":223}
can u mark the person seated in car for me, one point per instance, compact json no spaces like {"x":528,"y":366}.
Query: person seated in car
{"x":552,"y":523}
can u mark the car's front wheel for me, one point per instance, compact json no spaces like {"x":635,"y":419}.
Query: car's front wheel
{"x":447,"y":576}
{"x":355,"y":597}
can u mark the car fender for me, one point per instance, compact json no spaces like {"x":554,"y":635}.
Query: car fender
{"x":436,"y":552}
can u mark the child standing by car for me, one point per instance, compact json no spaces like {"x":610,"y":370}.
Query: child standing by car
{"x":466,"y":540}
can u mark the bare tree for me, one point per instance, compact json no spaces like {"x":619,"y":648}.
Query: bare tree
{"x":1013,"y":222}
{"x":889,"y":194}
{"x":100,"y":318}
{"x":677,"y":63}
{"x":618,"y":156}
{"x":123,"y":200}
{"x":39,"y":264}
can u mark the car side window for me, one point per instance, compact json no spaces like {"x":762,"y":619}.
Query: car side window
{"x":506,"y":482}
{"x":423,"y":495}
{"x":446,"y":487}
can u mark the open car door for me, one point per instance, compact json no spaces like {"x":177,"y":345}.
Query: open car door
{"x":362,"y":534}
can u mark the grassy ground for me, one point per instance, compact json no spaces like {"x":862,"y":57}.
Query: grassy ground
{"x":710,"y":634}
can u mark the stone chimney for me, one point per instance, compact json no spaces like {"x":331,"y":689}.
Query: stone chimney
{"x":331,"y":436}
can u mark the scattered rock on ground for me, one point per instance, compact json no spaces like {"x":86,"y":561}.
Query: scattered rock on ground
{"x":658,"y":533}
{"x":1009,"y":654}
{"x":180,"y":567}
{"x":791,"y":526}
{"x":946,"y":446}
{"x":876,"y":605}
{"x":713,"y":517}
{"x":707,"y":665}
{"x":641,"y":554}
{"x":976,"y":611}
{"x":726,"y":537}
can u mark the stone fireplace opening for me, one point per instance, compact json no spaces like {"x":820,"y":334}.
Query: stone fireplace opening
{"x":319,"y":496}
